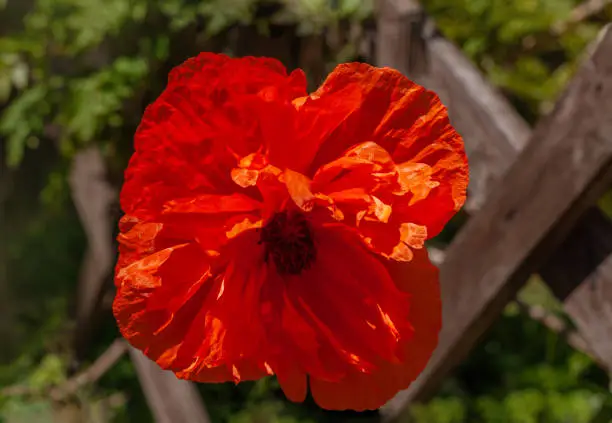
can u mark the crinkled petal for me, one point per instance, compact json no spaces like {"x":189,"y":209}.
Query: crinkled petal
{"x":195,"y":132}
{"x":366,"y":185}
{"x":151,"y":290}
{"x":349,"y":300}
{"x":369,"y":391}
{"x":295,"y":131}
{"x":412,"y":126}
{"x":192,"y":317}
{"x":207,"y":219}
{"x":207,"y":204}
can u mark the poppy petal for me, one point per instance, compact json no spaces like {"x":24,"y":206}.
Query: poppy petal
{"x":293,"y":382}
{"x":160,"y":278}
{"x":296,"y":130}
{"x":369,"y":391}
{"x":351,"y":301}
{"x":189,"y":320}
{"x":207,"y":203}
{"x":412,"y":125}
{"x":190,"y":137}
{"x":366,"y":184}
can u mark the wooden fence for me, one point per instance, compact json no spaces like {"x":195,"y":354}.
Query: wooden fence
{"x":530,"y":201}
{"x":531,"y":194}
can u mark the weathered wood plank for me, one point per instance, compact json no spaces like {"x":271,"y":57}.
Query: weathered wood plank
{"x":590,"y":305}
{"x":399,"y":41}
{"x":527,"y":215}
{"x":582,"y":253}
{"x":92,"y":197}
{"x":540,"y":314}
{"x":582,"y":273}
{"x":171,"y":400}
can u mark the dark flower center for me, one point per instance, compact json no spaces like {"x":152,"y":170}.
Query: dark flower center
{"x":287,"y":238}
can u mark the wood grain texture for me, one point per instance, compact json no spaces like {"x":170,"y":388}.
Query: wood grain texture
{"x":526,"y":216}
{"x":171,"y":400}
{"x":549,"y":319}
{"x":580,"y":255}
{"x":590,"y":305}
{"x":92,"y":196}
{"x":492,"y":144}
{"x":399,"y":42}
{"x":582,"y":274}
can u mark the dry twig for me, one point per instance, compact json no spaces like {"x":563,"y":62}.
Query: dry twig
{"x":86,"y":377}
{"x":579,"y":14}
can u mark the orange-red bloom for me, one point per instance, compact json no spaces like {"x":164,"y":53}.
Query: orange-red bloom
{"x":268,"y":231}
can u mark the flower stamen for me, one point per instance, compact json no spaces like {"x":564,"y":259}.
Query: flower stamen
{"x":288,"y":242}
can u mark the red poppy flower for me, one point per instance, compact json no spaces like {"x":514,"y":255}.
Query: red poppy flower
{"x":268,"y":231}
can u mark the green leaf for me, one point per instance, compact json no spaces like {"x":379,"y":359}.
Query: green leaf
{"x":50,"y":371}
{"x":22,"y":118}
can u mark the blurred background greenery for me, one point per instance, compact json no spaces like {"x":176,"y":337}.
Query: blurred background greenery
{"x":75,"y":73}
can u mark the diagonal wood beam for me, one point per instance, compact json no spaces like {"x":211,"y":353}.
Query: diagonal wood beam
{"x":456,"y":80}
{"x":92,"y":196}
{"x":587,"y":295}
{"x":541,"y":315}
{"x":171,"y":400}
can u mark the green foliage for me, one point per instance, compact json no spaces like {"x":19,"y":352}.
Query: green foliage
{"x":50,"y":371}
{"x":16,"y":410}
{"x":440,"y":410}
{"x":22,"y":119}
{"x":521,"y":373}
{"x":517,"y":44}
{"x":313,"y":16}
{"x":605,"y":204}
{"x":77,"y":25}
{"x":221,"y":14}
{"x":73,"y":69}
{"x":95,"y":102}
{"x":50,"y":70}
{"x":43,"y":249}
